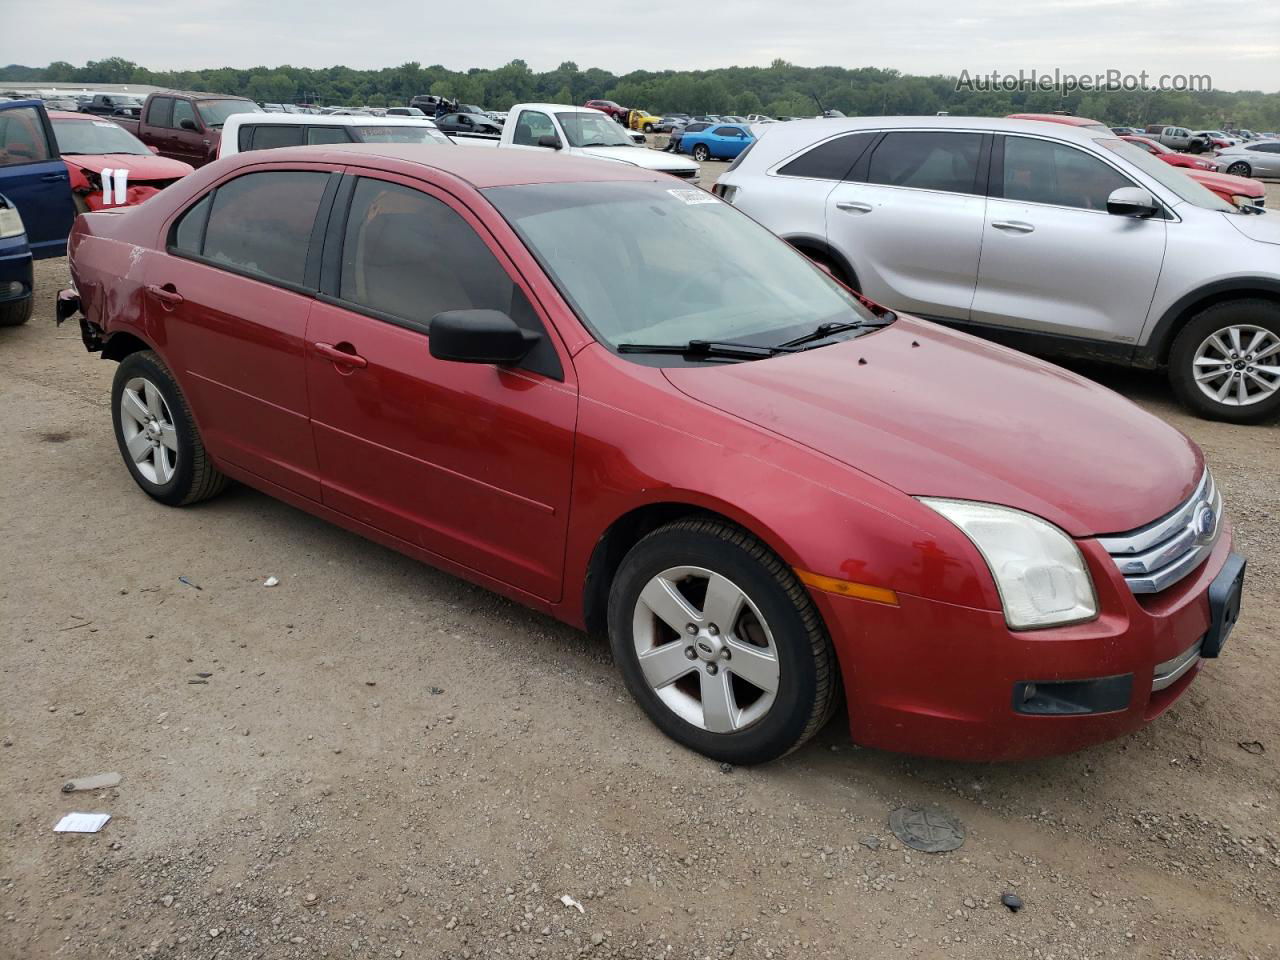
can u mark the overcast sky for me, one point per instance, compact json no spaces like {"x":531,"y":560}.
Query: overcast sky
{"x":1238,"y":45}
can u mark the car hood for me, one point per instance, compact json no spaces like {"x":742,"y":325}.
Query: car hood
{"x":140,"y":166}
{"x":1227,"y":182}
{"x":934,"y":412}
{"x":640,"y":157}
{"x":1264,"y":227}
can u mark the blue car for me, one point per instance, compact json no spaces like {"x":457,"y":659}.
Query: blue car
{"x":15,"y":267}
{"x":34,"y":177}
{"x":717,"y":142}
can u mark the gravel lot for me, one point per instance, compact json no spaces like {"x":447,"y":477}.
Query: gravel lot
{"x":387,"y":762}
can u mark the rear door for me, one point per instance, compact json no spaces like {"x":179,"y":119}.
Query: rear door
{"x":909,"y":217}
{"x":230,"y":301}
{"x":471,"y":462}
{"x":34,"y":178}
{"x":1053,"y":259}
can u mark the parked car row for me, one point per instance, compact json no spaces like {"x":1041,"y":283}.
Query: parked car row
{"x":776,"y":496}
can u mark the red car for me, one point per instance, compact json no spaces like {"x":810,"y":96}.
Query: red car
{"x":90,"y":145}
{"x":767,"y":493}
{"x":608,"y":106}
{"x":1234,"y":190}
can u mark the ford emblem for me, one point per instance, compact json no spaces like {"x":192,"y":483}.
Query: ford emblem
{"x":1205,"y":522}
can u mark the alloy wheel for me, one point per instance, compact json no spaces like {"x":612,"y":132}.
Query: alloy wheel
{"x":149,"y":433}
{"x":1238,"y":169}
{"x":1238,"y":365}
{"x":705,"y":649}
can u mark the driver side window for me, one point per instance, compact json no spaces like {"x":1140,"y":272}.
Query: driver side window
{"x":1040,"y":171}
{"x":182,"y":110}
{"x":532,"y":125}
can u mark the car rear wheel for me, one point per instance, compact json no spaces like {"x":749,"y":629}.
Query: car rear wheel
{"x":648,"y":128}
{"x":157,"y":435}
{"x":14,"y":313}
{"x":1225,"y":363}
{"x":1239,"y":169}
{"x":701,"y":153}
{"x":720,"y":644}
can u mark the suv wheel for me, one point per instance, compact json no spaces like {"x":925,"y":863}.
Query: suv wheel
{"x":16,"y":312}
{"x":720,"y":644}
{"x":157,"y":435}
{"x":701,"y":153}
{"x":1239,"y":169}
{"x":1225,"y":363}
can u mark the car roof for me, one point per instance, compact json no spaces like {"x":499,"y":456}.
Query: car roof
{"x":325,"y":119}
{"x":481,"y":168}
{"x":819,"y":128}
{"x":197,"y":95}
{"x":560,"y":107}
{"x":1065,"y":119}
{"x":70,"y":115}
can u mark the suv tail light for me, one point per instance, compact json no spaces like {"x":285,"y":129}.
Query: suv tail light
{"x":725,"y":192}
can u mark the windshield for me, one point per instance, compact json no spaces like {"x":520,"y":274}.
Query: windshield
{"x":1167,"y":175}
{"x":398,"y":133}
{"x":95,"y":136}
{"x":592,"y":129}
{"x":215,"y":112}
{"x":717,"y":275}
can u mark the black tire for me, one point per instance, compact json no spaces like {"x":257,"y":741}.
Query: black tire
{"x":701,"y":153}
{"x":648,"y":128}
{"x":807,"y":686}
{"x":195,"y":478}
{"x":836,"y":270}
{"x":1239,"y":169}
{"x":1248,"y":312}
{"x":15,"y":313}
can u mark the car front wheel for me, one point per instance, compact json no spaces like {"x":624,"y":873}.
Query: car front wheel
{"x":1225,"y":363}
{"x":701,"y":153}
{"x":720,"y":643}
{"x":1239,"y":169}
{"x":157,"y":435}
{"x":14,"y":313}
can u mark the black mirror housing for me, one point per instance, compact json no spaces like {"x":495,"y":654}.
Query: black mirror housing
{"x":188,"y":124}
{"x":549,"y":140}
{"x":479,"y":336}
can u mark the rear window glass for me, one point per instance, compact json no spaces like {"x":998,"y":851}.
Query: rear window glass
{"x":261,"y":223}
{"x":268,"y":138}
{"x":831,"y":160}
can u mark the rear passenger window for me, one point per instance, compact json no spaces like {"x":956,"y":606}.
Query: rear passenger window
{"x":270,"y":137}
{"x":22,"y":137}
{"x":258,"y":224}
{"x":1039,"y":171}
{"x":831,"y":160}
{"x":317,"y":135}
{"x":927,"y":160}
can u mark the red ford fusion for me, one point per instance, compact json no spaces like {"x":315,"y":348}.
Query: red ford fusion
{"x":776,"y":498}
{"x":91,"y":146}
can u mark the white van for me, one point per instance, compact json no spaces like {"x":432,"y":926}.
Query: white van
{"x":262,"y":131}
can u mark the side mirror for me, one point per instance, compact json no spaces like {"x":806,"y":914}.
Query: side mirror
{"x":153,"y":148}
{"x":549,"y":140}
{"x":188,"y":124}
{"x":479,"y":336}
{"x":1132,"y":202}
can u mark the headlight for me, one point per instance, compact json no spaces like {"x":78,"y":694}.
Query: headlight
{"x":1038,"y":569}
{"x":1240,"y":200}
{"x":10,"y":222}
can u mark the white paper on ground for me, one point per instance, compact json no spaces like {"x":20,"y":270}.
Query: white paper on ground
{"x":82,"y":823}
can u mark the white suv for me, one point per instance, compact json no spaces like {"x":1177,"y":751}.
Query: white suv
{"x":1059,"y":240}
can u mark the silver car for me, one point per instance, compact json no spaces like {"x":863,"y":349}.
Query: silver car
{"x":1056,"y":239}
{"x":1256,"y":158}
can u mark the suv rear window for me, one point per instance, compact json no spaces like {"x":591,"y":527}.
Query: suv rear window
{"x":259,"y":224}
{"x":830,"y":160}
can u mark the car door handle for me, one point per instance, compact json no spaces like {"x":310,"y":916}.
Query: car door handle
{"x":1013,"y":226}
{"x":53,"y":177}
{"x":853,"y":206}
{"x":341,"y":357}
{"x":165,"y":294}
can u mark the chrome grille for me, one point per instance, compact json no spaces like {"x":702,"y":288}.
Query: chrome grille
{"x":1160,"y":554}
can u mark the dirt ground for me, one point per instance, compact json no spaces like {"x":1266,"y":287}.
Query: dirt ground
{"x":387,"y":762}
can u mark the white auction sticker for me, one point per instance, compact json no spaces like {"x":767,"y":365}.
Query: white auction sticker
{"x":693,"y":196}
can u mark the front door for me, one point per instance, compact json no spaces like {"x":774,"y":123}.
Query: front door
{"x":1053,"y":259}
{"x":34,"y":178}
{"x":909,"y":220}
{"x":231,"y":301}
{"x":471,"y":462}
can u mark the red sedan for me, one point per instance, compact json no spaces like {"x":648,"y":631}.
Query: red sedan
{"x":765,"y":490}
{"x":1235,"y":190}
{"x":90,"y":146}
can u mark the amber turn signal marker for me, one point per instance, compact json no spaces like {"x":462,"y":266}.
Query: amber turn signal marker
{"x":846,"y":588}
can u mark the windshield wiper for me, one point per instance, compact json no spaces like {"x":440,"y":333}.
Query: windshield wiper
{"x":830,"y":328}
{"x":708,"y":348}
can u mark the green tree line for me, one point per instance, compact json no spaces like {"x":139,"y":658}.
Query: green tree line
{"x":780,"y":89}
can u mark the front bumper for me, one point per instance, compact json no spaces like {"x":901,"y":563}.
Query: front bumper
{"x":16,"y":271}
{"x":936,"y":679}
